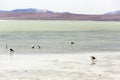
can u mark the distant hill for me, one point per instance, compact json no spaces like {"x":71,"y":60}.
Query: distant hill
{"x":114,"y":12}
{"x":32,"y":10}
{"x":36,"y":14}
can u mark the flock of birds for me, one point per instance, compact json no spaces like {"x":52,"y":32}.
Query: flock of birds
{"x":93,"y":59}
{"x":38,"y":46}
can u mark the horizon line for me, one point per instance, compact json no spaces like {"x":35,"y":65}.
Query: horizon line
{"x":55,"y":11}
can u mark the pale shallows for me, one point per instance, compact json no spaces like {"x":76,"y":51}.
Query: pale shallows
{"x":56,"y":25}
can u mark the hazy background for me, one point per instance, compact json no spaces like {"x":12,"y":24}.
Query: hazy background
{"x":74,"y":6}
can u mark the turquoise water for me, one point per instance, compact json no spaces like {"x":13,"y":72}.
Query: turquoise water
{"x":59,"y":41}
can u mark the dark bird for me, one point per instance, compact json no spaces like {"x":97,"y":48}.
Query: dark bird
{"x":33,"y":47}
{"x":93,"y":60}
{"x":72,"y":42}
{"x":11,"y":50}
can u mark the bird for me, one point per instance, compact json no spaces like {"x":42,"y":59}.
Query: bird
{"x":72,"y":42}
{"x":38,"y":46}
{"x":6,"y":46}
{"x":11,"y":50}
{"x":33,"y":47}
{"x":93,"y":60}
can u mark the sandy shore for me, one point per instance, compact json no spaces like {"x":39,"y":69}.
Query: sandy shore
{"x":60,"y":67}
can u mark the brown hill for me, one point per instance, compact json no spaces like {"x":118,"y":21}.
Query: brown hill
{"x":55,"y":16}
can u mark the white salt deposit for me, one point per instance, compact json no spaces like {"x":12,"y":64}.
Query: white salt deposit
{"x":60,"y":67}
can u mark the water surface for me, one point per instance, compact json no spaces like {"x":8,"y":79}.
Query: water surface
{"x":55,"y":36}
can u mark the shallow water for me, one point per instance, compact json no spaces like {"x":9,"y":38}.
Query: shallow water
{"x":55,"y":36}
{"x":59,"y":41}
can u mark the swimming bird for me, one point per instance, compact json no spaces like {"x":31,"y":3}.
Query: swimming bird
{"x":72,"y":42}
{"x":38,"y":46}
{"x":33,"y":47}
{"x":11,"y":50}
